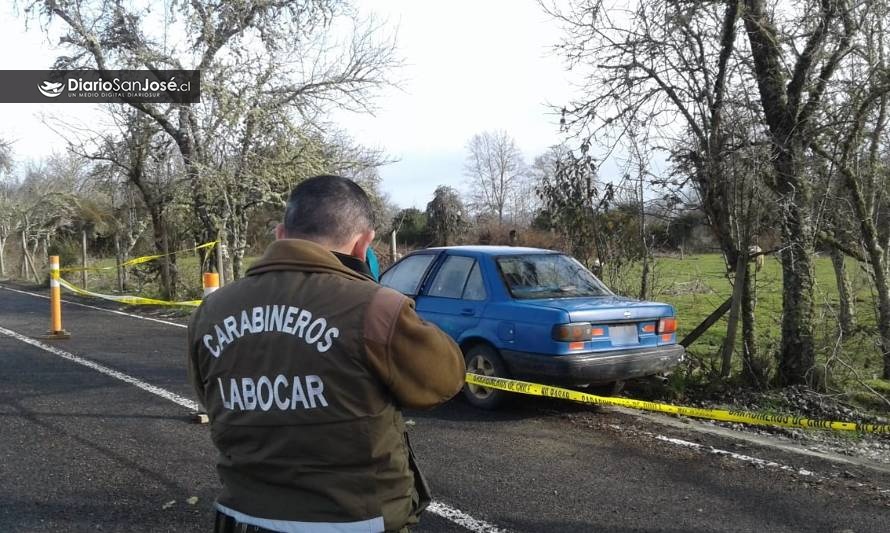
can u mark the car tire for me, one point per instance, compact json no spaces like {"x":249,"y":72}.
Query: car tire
{"x":485,"y":360}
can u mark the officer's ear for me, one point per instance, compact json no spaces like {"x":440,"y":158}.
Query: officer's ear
{"x":360,"y":248}
{"x":279,"y":231}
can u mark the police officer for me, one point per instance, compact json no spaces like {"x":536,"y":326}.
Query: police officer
{"x":303,"y":366}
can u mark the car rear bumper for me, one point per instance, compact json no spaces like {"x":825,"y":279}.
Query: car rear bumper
{"x":594,"y":367}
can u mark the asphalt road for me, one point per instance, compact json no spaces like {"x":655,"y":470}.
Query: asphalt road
{"x":81,"y":450}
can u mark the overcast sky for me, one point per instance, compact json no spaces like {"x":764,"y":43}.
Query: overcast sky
{"x":470,"y":66}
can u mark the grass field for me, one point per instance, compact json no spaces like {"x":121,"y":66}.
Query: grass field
{"x":102,"y":277}
{"x":696,"y":285}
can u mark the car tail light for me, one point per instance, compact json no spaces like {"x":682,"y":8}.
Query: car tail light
{"x":572,"y":332}
{"x":667,"y":325}
{"x":581,"y":331}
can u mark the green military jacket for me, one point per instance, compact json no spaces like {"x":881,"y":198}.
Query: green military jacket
{"x":302,"y":367}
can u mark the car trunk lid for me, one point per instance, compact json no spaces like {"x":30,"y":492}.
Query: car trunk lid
{"x":605,"y":309}
{"x":622,"y":322}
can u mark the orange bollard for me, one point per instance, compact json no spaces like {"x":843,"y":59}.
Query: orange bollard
{"x":55,"y":302}
{"x":211,"y":282}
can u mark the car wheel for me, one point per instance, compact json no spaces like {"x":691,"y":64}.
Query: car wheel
{"x":483,"y":359}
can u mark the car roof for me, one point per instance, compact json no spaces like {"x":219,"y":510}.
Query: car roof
{"x":495,"y":250}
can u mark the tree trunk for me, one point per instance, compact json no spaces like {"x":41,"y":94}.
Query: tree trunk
{"x":754,"y":369}
{"x":227,"y":264}
{"x":883,"y":290}
{"x":159,"y":231}
{"x":737,"y":294}
{"x":2,"y":258}
{"x":789,"y":131}
{"x":173,"y":270}
{"x":117,"y":263}
{"x":846,"y":309}
{"x":24,"y":273}
{"x":875,"y":254}
{"x":238,"y":243}
{"x":237,"y":261}
{"x":28,"y":266}
{"x":644,"y":281}
{"x":188,"y":148}
{"x":797,"y":352}
{"x":125,"y":276}
{"x":29,"y":261}
{"x":220,"y":259}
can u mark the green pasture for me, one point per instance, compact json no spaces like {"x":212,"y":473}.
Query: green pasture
{"x":696,"y":285}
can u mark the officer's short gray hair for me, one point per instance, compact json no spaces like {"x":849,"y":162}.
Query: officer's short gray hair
{"x":328,"y":208}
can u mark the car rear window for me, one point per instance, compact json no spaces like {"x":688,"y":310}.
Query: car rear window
{"x":407,"y":274}
{"x":536,"y":276}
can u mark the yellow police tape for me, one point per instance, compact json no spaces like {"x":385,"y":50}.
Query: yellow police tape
{"x":124,"y":299}
{"x":743,"y":417}
{"x":140,"y":260}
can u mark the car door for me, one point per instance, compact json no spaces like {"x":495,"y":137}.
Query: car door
{"x":455,"y":296}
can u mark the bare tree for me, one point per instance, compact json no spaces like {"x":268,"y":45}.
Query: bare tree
{"x":793,"y":58}
{"x":836,"y":232}
{"x":287,"y":38}
{"x":46,"y":204}
{"x":524,"y":203}
{"x":140,"y":155}
{"x":255,"y":166}
{"x":638,"y":173}
{"x":862,"y":124}
{"x":7,"y":203}
{"x":673,"y":67}
{"x":8,"y":212}
{"x":494,"y":168}
{"x":5,"y":157}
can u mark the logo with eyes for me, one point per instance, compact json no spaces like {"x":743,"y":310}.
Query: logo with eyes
{"x":51,"y":89}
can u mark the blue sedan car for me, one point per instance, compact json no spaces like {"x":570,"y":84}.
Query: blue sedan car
{"x":537,"y":315}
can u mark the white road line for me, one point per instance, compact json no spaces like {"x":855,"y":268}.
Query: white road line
{"x":737,"y":456}
{"x":116,"y":312}
{"x":463,"y":519}
{"x":438,"y":508}
{"x":163,"y":393}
